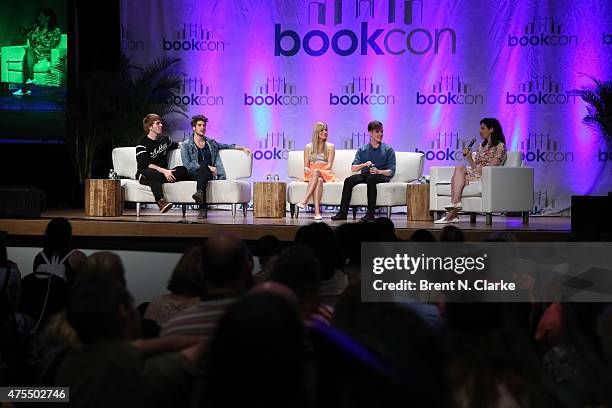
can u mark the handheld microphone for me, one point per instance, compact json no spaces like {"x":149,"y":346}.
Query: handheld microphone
{"x":469,"y":146}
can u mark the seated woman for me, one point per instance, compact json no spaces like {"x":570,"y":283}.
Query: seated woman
{"x":318,"y":161}
{"x":44,"y":36}
{"x":491,"y":152}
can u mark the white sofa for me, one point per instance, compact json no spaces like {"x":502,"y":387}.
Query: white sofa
{"x":238,"y":165}
{"x":506,"y":188}
{"x":409,"y":167}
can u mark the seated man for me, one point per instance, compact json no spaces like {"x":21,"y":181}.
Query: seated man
{"x":376,"y":163}
{"x":201,"y":158}
{"x":152,"y":160}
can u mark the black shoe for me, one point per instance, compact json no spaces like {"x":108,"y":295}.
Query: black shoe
{"x":143,"y":180}
{"x":198,"y":197}
{"x":340,"y":216}
{"x":203,"y":213}
{"x":368,"y":217}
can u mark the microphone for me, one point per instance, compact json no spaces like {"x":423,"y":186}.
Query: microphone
{"x":469,"y":146}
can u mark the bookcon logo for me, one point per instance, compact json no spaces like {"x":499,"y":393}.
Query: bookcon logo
{"x":450,"y":90}
{"x":361,"y":91}
{"x":543,"y":32}
{"x":128,"y":42}
{"x":540,"y":90}
{"x":539,"y":147}
{"x":603,"y":156}
{"x":275,"y":92}
{"x":395,"y":39}
{"x":193,"y":37}
{"x":196,"y":92}
{"x":447,"y":146}
{"x":274,"y":146}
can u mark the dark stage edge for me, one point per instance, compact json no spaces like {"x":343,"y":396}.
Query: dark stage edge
{"x":171,"y":232}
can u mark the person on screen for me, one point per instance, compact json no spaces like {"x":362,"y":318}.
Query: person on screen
{"x":152,"y":160}
{"x":201,"y":158}
{"x":43,"y":37}
{"x":318,"y":162}
{"x":491,"y":152}
{"x":375,"y":163}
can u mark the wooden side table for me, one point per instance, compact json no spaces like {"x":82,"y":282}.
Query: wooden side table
{"x":417,"y":200}
{"x":103,"y":198}
{"x":269,"y":198}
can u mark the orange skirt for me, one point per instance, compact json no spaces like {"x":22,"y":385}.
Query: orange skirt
{"x":326,"y":174}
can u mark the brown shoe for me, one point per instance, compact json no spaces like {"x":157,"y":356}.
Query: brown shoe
{"x":198,"y":197}
{"x":164,"y":206}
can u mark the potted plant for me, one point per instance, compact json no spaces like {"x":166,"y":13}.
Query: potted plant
{"x":598,"y":101}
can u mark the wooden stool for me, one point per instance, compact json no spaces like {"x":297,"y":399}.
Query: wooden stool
{"x":103,"y":198}
{"x":417,"y":200}
{"x":269,"y":199}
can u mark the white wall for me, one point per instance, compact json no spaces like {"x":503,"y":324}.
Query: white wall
{"x":147,"y":273}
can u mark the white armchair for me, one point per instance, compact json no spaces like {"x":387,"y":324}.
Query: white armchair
{"x":11,"y":64}
{"x":506,"y":188}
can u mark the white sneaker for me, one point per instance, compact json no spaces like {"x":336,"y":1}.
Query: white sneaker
{"x":18,"y":92}
{"x":301,"y":206}
{"x":458,"y":206}
{"x":30,"y":81}
{"x":446,"y":220}
{"x":318,"y":218}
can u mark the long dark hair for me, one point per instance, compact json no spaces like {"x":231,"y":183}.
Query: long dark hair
{"x":57,"y":237}
{"x":498,"y":134}
{"x":50,"y":14}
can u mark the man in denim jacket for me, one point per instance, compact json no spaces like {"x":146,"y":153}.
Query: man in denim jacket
{"x":201,"y":158}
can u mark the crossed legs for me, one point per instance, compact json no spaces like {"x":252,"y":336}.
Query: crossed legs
{"x":315,"y":189}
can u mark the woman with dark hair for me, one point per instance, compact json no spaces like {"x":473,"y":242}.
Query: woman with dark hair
{"x":45,"y":290}
{"x":43,"y":37}
{"x":57,"y":249}
{"x":186,"y":286}
{"x":491,"y":152}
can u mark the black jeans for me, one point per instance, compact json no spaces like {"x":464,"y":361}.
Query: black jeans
{"x":202,"y":176}
{"x":155,"y":179}
{"x":371,"y":180}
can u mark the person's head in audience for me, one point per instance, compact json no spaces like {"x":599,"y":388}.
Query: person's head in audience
{"x":450,"y":233}
{"x":298,"y":268}
{"x":321,"y":239}
{"x":103,"y":264}
{"x":422,"y":235}
{"x":261,"y":333}
{"x":498,"y":368}
{"x":385,"y":229}
{"x":3,"y":250}
{"x":187,"y":279}
{"x":399,"y":336}
{"x":266,"y":248}
{"x":57,"y":236}
{"x":226,"y":264}
{"x":101,"y":310}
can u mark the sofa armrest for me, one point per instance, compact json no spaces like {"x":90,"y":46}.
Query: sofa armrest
{"x":56,"y":54}
{"x":13,"y":53}
{"x":507,"y":188}
{"x":440,"y":174}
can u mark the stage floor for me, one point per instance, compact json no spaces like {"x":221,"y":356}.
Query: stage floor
{"x":151,"y":224}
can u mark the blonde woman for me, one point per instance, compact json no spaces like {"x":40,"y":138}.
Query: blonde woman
{"x":318,"y":161}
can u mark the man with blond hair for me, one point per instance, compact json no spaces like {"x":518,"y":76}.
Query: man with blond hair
{"x":152,"y":160}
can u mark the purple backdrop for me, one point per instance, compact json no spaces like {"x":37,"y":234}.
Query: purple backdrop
{"x":265,"y":71}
